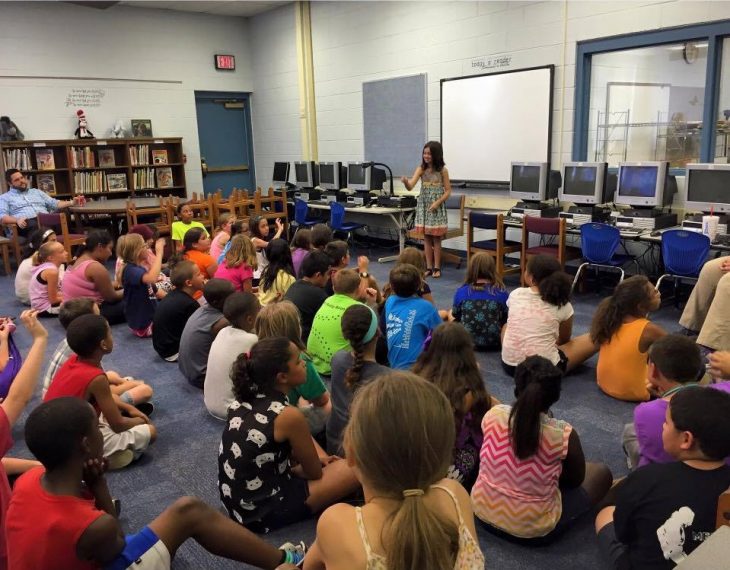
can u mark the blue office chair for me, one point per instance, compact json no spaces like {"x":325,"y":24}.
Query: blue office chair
{"x":338,"y":224}
{"x":683,"y":254}
{"x":598,"y":244}
{"x":300,"y":215}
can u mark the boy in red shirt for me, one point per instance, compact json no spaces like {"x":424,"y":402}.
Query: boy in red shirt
{"x":61,"y":516}
{"x":125,"y":438}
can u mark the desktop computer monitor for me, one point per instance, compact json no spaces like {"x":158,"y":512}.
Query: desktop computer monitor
{"x":358,"y":178}
{"x":643,"y":184}
{"x":329,"y":176}
{"x":708,"y":188}
{"x":528,"y":181}
{"x":584,"y":183}
{"x":281,"y":173}
{"x":305,"y":174}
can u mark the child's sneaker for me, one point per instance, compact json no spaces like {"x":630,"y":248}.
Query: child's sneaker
{"x":146,"y":408}
{"x":294,"y":552}
{"x":120,"y":459}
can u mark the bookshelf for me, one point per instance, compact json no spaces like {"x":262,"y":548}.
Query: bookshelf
{"x":117,"y":168}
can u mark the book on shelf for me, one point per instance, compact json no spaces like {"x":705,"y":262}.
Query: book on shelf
{"x":88,"y":182}
{"x":17,"y":158}
{"x":144,"y":178}
{"x":106,"y":157}
{"x":164,"y":177}
{"x":116,"y":182}
{"x":82,"y":157}
{"x":139,"y":154}
{"x":47,"y":183}
{"x":44,"y":159}
{"x":159,"y":157}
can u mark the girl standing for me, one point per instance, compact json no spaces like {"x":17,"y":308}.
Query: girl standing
{"x":44,"y":288}
{"x":449,"y":363}
{"x":238,"y":263}
{"x":258,"y":485}
{"x":623,"y":331}
{"x":431,"y":218}
{"x":399,"y":444}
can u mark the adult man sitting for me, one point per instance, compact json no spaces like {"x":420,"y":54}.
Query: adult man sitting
{"x":20,"y":204}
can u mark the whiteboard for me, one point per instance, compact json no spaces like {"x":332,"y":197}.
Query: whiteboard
{"x":489,"y":121}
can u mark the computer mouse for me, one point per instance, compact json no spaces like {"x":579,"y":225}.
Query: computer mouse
{"x":656,"y":233}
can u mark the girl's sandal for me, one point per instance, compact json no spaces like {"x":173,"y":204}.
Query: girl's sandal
{"x":436,"y":273}
{"x":428,"y":273}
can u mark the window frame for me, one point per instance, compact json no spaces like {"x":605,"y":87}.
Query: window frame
{"x":712,"y":32}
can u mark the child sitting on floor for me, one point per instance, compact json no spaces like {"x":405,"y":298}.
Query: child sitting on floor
{"x":200,"y":330}
{"x":307,"y":292}
{"x":675,"y":362}
{"x":196,"y":244}
{"x":278,"y":275}
{"x":352,"y":368}
{"x":409,"y":319}
{"x":339,"y":255}
{"x":44,"y":288}
{"x":417,"y":259}
{"x":66,"y":506}
{"x":27,"y":266}
{"x":449,"y":362}
{"x":533,"y":480}
{"x":623,"y":331}
{"x":138,"y":282}
{"x":238,"y":227}
{"x":81,"y":376}
{"x":221,"y":234}
{"x":301,"y":245}
{"x":184,"y":223}
{"x":175,"y":309}
{"x":238,"y":263}
{"x":282,"y":319}
{"x":399,"y":443}
{"x":540,"y":319}
{"x":240,"y":309}
{"x":480,"y":304}
{"x":131,"y":391}
{"x":664,"y":511}
{"x":258,"y":485}
{"x":150,"y":235}
{"x":321,"y":236}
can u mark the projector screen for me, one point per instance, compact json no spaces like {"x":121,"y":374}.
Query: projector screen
{"x":489,"y":121}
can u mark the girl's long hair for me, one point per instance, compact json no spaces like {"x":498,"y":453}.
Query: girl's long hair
{"x":356,"y":322}
{"x":280,"y":319}
{"x":552,"y":282}
{"x":415,"y":537}
{"x":279,"y":256}
{"x":241,"y":251}
{"x":437,"y":156}
{"x":482,"y":267}
{"x":255,"y":373}
{"x":631,"y":298}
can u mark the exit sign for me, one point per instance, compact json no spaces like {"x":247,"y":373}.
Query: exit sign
{"x":227,"y":62}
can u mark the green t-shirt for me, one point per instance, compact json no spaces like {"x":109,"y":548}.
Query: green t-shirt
{"x":325,"y":338}
{"x":179,"y":229}
{"x":313,"y":386}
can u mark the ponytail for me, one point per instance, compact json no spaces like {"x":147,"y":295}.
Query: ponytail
{"x":552,"y":282}
{"x":357,"y":328}
{"x":537,"y":387}
{"x":629,"y":299}
{"x":255,"y":373}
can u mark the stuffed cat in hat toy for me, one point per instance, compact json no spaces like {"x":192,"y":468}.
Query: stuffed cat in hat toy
{"x":82,"y":132}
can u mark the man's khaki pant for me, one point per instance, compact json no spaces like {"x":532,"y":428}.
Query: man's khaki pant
{"x":708,"y":308}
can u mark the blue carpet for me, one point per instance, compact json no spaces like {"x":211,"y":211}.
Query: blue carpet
{"x":183,"y":461}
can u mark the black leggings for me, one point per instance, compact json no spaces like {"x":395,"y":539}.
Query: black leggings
{"x":113,"y":312}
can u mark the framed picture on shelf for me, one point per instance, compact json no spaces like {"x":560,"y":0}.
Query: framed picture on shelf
{"x":46,"y":183}
{"x":141,"y":128}
{"x":106,"y":157}
{"x":164,"y":178}
{"x":44,"y":159}
{"x":159,"y":157}
{"x":116,"y":182}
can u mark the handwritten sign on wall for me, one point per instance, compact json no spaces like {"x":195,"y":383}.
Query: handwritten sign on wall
{"x":85,"y":98}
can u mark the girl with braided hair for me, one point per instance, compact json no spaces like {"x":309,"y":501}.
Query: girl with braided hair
{"x":352,"y":369}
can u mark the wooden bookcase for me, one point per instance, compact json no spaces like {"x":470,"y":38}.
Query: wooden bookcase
{"x":114,"y":168}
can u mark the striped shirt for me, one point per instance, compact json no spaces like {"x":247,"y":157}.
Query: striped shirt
{"x":520,"y":496}
{"x":26,"y":204}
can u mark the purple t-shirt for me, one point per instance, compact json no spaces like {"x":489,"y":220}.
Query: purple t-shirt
{"x":297,"y":256}
{"x":648,"y":422}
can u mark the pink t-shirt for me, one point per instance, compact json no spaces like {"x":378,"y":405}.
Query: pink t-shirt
{"x":76,"y":285}
{"x":236,"y":275}
{"x":216,"y":247}
{"x":6,"y":442}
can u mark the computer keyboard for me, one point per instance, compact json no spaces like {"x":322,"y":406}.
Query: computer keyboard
{"x":631,"y":231}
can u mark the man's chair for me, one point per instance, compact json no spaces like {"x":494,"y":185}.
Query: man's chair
{"x":5,"y":244}
{"x":498,"y":247}
{"x":454,"y":206}
{"x":58,"y":223}
{"x":683,"y":253}
{"x":598,"y":244}
{"x":10,"y":232}
{"x":554,"y":227}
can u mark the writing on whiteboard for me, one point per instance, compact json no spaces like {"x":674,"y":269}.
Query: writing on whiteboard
{"x":495,"y":62}
{"x":85,"y":97}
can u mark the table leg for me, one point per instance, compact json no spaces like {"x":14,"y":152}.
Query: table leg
{"x":401,"y":238}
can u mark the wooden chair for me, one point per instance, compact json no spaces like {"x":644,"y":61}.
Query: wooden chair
{"x":59,"y":224}
{"x":5,"y":244}
{"x":497,"y":248}
{"x":545,"y":227}
{"x":237,"y":204}
{"x":455,"y":203}
{"x":161,"y":216}
{"x":16,"y":241}
{"x":203,"y":211}
{"x":271,"y":207}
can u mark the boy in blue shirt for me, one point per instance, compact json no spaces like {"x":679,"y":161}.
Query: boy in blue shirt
{"x":408,"y":318}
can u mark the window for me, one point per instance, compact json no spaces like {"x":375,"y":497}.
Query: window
{"x":647,"y":96}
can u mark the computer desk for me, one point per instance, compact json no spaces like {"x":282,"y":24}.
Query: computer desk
{"x":399,"y":217}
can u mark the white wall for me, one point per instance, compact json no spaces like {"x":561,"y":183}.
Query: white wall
{"x":275,"y":101}
{"x":166,"y":55}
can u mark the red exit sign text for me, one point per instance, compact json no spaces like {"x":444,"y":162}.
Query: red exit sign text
{"x":227,"y":62}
